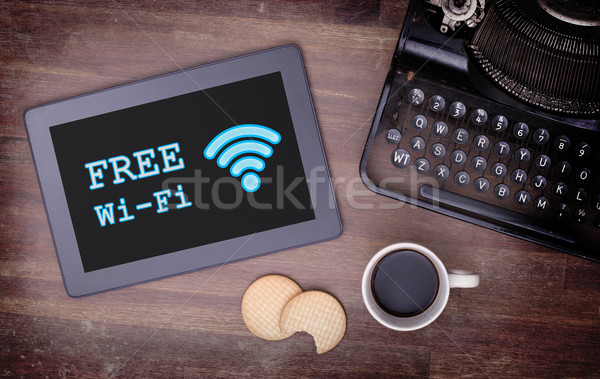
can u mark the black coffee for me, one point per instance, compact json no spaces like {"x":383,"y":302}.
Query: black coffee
{"x":404,"y":283}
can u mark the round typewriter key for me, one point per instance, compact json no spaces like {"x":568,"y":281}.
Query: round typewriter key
{"x":481,"y":185}
{"x":542,"y":162}
{"x":541,"y":136}
{"x":457,"y":109}
{"x":560,"y":189}
{"x":479,"y":117}
{"x":522,"y":155}
{"x":416,"y":96}
{"x":460,"y":136}
{"x":518,"y":176}
{"x":522,"y":197}
{"x":580,"y":215}
{"x":562,"y":143}
{"x":564,"y":168}
{"x":499,"y":170}
{"x":441,"y":172}
{"x":417,"y":144}
{"x":393,"y":136}
{"x":422,"y":165}
{"x":520,"y":130}
{"x":584,"y":150}
{"x":596,"y":202}
{"x":440,"y":129}
{"x":501,"y":149}
{"x":539,"y":182}
{"x":458,"y":157}
{"x":401,"y":158}
{"x":478,"y":163}
{"x":580,"y":195}
{"x":499,"y":123}
{"x":437,"y":103}
{"x":501,"y":191}
{"x":481,"y":142}
{"x":419,"y":122}
{"x":462,"y":178}
{"x":438,"y":150}
{"x":541,"y":203}
{"x":561,"y":211}
{"x":584,"y":175}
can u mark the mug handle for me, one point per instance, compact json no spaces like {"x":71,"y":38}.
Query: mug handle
{"x":462,"y":279}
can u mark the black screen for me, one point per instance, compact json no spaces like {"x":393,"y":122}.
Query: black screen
{"x":138,"y":183}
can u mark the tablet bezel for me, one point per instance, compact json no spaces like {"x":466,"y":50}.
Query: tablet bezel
{"x":285,"y":59}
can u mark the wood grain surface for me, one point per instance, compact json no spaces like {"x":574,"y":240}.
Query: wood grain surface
{"x":536,"y":312}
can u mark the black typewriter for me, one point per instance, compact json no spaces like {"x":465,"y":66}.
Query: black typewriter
{"x":491,"y":114}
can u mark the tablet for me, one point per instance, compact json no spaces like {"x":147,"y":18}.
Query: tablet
{"x":183,"y":171}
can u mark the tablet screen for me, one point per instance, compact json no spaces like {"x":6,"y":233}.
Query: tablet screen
{"x":181,"y":172}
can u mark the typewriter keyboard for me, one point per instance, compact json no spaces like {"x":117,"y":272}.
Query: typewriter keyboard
{"x":490,"y":164}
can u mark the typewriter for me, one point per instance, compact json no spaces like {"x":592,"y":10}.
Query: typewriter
{"x":490,"y":114}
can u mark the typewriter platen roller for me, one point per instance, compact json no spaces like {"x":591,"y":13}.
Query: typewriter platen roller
{"x":490,"y":114}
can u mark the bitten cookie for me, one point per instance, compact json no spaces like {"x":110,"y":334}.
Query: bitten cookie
{"x":317,"y":313}
{"x":263,"y":304}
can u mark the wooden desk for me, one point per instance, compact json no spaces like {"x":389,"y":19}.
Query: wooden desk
{"x":535,"y":314}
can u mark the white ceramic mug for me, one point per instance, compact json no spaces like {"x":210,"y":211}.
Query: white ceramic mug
{"x":446,"y":279}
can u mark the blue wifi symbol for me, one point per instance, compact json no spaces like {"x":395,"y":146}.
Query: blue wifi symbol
{"x":249,"y":145}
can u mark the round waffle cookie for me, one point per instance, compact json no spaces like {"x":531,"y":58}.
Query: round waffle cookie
{"x":263,"y":303}
{"x":317,"y":313}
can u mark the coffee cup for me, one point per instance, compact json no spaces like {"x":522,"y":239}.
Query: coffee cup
{"x":406,"y":286}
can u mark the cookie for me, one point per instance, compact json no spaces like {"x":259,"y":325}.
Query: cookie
{"x":263,"y":304}
{"x":317,"y":313}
